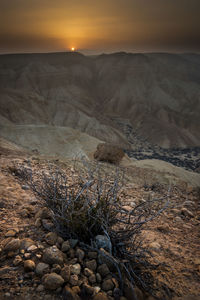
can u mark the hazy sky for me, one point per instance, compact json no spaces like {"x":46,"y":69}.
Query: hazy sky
{"x":99,"y":25}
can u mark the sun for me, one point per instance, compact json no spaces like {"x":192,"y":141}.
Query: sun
{"x":72,"y":49}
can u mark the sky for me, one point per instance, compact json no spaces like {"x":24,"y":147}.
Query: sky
{"x":96,"y":26}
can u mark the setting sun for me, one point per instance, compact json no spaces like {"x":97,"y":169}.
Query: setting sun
{"x":73,"y":49}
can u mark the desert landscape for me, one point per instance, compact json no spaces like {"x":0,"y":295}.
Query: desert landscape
{"x":55,"y":111}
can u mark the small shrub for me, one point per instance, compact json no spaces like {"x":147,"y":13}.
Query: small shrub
{"x":89,"y":204}
{"x":109,"y":153}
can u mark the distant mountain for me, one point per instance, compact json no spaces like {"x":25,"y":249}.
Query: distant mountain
{"x":121,"y":98}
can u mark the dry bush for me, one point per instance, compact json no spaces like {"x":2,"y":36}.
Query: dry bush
{"x":109,"y":153}
{"x":88,"y":204}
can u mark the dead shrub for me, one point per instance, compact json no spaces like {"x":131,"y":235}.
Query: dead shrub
{"x":109,"y":153}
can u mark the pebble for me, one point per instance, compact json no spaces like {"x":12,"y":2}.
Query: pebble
{"x":73,"y":280}
{"x":51,"y":238}
{"x":29,"y":265}
{"x":40,"y":288}
{"x":76,"y":269}
{"x":65,"y":246}
{"x":17,"y":260}
{"x":91,"y":264}
{"x":65,"y":273}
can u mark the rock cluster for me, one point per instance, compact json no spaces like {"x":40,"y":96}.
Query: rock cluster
{"x":63,"y":267}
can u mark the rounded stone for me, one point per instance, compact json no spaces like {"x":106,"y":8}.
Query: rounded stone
{"x":65,"y":273}
{"x":53,"y":255}
{"x":103,"y":270}
{"x":73,"y":280}
{"x":29,"y":265}
{"x":107,"y":285}
{"x":53,"y":281}
{"x":41,"y":269}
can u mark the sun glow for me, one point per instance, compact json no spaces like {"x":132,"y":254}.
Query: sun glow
{"x":72,"y":49}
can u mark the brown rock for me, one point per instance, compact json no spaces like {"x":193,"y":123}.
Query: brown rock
{"x":103,"y":270}
{"x":100,"y":296}
{"x":80,"y":254}
{"x":29,"y":265}
{"x":76,"y":269}
{"x":53,"y":255}
{"x":108,"y":285}
{"x":65,"y":273}
{"x":69,"y":294}
{"x":47,"y":224}
{"x":13,"y":245}
{"x":65,"y":246}
{"x":89,"y":290}
{"x":17,"y":260}
{"x":51,"y":238}
{"x":26,"y":243}
{"x":11,"y":233}
{"x":42,"y":269}
{"x":73,"y":280}
{"x":92,"y":255}
{"x":56,"y":269}
{"x":53,"y":281}
{"x":92,"y":278}
{"x":91,"y":264}
{"x":44,"y":213}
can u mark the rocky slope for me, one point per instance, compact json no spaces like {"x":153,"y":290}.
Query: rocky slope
{"x":155,"y":96}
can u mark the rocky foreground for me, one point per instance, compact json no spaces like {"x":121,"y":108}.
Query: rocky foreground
{"x":37,"y":263}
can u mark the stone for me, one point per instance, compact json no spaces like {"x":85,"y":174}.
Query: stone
{"x":26,"y":243}
{"x":29,"y":265}
{"x":27,"y":255}
{"x":65,"y":246}
{"x":98,"y":277}
{"x":91,"y":264}
{"x":32,"y":248}
{"x":76,"y":289}
{"x":51,"y":238}
{"x":13,"y":245}
{"x":56,"y":269}
{"x":163,"y":228}
{"x":100,"y":296}
{"x":47,"y":224}
{"x":73,"y":280}
{"x":53,"y":281}
{"x":25,"y":187}
{"x":76,"y":269}
{"x":89,"y":290}
{"x":65,"y":273}
{"x":69,"y":294}
{"x":80,"y":254}
{"x":103,"y":242}
{"x":11,"y":233}
{"x":52,"y":255}
{"x":103,"y":270}
{"x":107,"y":285}
{"x":17,"y":260}
{"x":42,"y":269}
{"x":87,"y":272}
{"x":40,"y":288}
{"x":60,"y":240}
{"x":92,"y":279}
